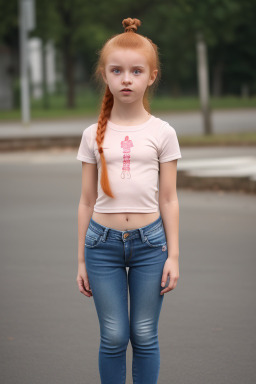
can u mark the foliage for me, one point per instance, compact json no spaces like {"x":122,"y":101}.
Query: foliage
{"x":80,"y":28}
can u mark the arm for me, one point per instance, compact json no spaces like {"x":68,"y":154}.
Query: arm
{"x":85,"y":211}
{"x":169,"y":209}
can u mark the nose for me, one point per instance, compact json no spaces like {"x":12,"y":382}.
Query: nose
{"x":126,"y":78}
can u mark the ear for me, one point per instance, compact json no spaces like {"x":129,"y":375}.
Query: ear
{"x":152,"y":77}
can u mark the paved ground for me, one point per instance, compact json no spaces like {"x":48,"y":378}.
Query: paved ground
{"x":237,"y":165}
{"x":197,"y":161}
{"x":243,"y":120}
{"x":50,"y":332}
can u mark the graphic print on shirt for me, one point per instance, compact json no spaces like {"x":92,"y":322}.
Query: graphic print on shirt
{"x":126,"y":144}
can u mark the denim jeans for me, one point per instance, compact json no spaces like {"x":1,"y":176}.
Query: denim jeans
{"x":107,"y":254}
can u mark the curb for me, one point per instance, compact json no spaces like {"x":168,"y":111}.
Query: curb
{"x":31,"y":143}
{"x":231,"y":184}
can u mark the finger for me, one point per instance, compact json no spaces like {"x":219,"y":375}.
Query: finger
{"x":164,"y":291}
{"x":86,"y":293}
{"x":165,"y":278}
{"x":87,"y":286}
{"x":172,"y":283}
{"x":89,"y":292}
{"x":170,"y":287}
{"x":175,"y":283}
{"x":82,"y":288}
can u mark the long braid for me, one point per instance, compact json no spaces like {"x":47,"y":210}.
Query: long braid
{"x":106,"y":107}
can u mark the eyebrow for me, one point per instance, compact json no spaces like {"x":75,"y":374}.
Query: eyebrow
{"x":134,"y":66}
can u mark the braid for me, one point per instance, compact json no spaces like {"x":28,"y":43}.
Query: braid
{"x":106,"y":106}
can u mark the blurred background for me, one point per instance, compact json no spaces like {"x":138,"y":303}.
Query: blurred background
{"x":48,"y":51}
{"x":65,"y":38}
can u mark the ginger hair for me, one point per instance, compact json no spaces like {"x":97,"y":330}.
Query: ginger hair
{"x":129,"y":39}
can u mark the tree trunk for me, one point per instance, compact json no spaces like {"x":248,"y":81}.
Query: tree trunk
{"x":69,"y":76}
{"x":44,"y":85}
{"x":217,"y":79}
{"x":202,"y":68}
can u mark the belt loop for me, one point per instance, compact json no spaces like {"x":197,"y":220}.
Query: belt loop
{"x":105,"y":233}
{"x":143,"y":237}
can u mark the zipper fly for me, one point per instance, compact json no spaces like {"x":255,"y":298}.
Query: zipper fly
{"x":127,"y":250}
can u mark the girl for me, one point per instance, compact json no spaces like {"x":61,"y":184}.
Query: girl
{"x":128,"y":156}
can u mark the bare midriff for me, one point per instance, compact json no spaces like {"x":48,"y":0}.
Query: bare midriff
{"x":125,"y":221}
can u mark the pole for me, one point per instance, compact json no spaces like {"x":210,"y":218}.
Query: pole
{"x":24,"y":81}
{"x":26,"y":23}
{"x":202,"y":69}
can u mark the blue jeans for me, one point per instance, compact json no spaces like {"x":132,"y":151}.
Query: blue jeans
{"x":107,"y":254}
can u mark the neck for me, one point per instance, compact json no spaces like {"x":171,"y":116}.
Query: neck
{"x":132,"y":113}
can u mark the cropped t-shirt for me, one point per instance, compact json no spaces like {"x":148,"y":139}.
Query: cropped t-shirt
{"x":132,"y":154}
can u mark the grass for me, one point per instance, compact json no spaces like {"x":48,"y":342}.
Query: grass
{"x":88,"y":104}
{"x":168,"y":104}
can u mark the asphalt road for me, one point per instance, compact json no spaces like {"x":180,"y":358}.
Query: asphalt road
{"x":49,"y":330}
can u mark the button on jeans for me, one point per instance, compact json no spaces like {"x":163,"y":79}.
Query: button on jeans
{"x":143,"y":251}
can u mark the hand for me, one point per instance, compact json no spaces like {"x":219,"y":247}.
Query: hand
{"x":171,"y":268}
{"x":82,"y":280}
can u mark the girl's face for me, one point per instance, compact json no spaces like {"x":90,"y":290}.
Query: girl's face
{"x":127,"y":68}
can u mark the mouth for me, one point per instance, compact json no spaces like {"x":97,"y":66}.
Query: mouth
{"x":126,"y":90}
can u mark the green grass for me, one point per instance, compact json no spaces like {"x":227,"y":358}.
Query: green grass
{"x":245,"y":138}
{"x":88,"y":104}
{"x":193,"y":103}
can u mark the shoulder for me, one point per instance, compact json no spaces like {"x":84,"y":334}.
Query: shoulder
{"x":161,"y":124}
{"x":90,"y":129}
{"x":166,"y":127}
{"x":162,"y":128}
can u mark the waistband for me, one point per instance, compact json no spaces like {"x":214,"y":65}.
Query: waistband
{"x":126,"y":235}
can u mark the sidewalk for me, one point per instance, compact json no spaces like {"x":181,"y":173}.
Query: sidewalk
{"x":218,"y":168}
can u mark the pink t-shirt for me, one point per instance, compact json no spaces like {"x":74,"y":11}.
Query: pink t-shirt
{"x":132,"y":154}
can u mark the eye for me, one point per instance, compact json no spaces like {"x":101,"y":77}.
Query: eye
{"x":137,"y":70}
{"x":115,"y":69}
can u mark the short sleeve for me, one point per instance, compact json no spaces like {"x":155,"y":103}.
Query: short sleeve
{"x":169,"y":148}
{"x":85,"y":151}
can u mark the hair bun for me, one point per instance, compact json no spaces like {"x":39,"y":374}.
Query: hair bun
{"x":131,"y":24}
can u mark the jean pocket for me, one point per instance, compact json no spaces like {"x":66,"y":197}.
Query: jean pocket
{"x":92,"y":238}
{"x":156,"y":238}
